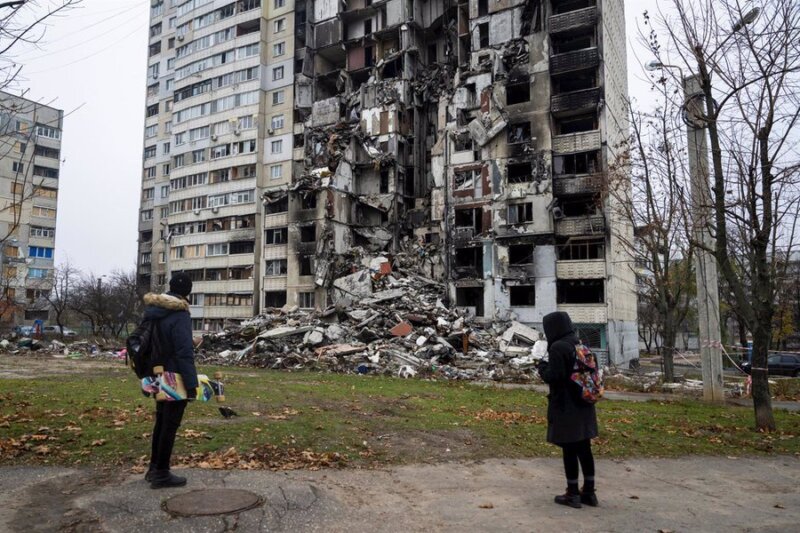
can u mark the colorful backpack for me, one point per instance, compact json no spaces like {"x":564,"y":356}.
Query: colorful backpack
{"x":587,"y":375}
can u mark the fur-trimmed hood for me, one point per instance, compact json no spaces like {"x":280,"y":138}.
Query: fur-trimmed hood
{"x":157,"y":306}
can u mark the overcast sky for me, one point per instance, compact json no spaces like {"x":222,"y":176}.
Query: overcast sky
{"x":92,"y":64}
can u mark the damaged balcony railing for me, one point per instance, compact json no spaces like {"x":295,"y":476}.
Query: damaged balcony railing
{"x":575,"y":102}
{"x":577,"y":60}
{"x":567,"y":185}
{"x":571,"y":143}
{"x":585,"y":225}
{"x":573,"y":20}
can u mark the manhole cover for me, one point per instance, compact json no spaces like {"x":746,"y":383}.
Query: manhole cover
{"x":211,"y":502}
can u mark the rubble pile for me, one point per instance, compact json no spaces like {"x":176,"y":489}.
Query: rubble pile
{"x":384,"y":320}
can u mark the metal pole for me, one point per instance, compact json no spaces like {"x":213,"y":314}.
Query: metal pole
{"x":705,"y":262}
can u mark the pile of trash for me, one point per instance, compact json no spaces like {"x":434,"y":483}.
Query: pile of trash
{"x":384,"y":320}
{"x":16,"y":345}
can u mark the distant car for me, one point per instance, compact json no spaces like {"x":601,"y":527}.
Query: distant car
{"x":779,"y":364}
{"x":53,"y":330}
{"x":24,"y":331}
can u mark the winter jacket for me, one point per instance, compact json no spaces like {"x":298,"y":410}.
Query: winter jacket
{"x":175,"y":326}
{"x":569,"y":419}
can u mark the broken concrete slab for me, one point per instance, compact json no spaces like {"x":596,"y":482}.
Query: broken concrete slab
{"x":358,"y":285}
{"x":403,"y":329}
{"x":284,"y":331}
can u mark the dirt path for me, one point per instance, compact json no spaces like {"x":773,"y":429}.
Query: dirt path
{"x":693,"y":494}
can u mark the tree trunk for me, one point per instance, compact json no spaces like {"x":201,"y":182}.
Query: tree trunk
{"x":668,"y":352}
{"x":762,"y":403}
{"x":742,"y":332}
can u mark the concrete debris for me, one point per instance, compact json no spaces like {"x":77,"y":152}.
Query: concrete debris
{"x":387,"y":319}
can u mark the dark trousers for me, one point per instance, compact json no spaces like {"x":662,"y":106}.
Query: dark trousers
{"x":168,"y":420}
{"x":575,"y":452}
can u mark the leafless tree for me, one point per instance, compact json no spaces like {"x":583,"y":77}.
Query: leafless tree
{"x":747,"y":59}
{"x":109,"y":303}
{"x":60,"y":292}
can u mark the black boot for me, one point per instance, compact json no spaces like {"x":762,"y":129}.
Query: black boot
{"x":588,"y":497}
{"x":164,"y":479}
{"x":148,"y":476}
{"x":571,"y":498}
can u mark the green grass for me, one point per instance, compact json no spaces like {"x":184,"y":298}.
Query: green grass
{"x":101,"y":418}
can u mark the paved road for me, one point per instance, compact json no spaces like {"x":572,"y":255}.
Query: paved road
{"x":693,"y":494}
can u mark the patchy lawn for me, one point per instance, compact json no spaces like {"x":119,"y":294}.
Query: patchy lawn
{"x":308,"y":420}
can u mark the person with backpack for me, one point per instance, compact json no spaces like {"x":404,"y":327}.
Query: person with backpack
{"x":571,"y":419}
{"x":170,"y":312}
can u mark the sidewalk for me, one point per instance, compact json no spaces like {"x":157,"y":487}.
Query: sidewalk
{"x":691,"y":494}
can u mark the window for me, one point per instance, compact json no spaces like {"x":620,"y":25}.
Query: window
{"x":279,"y":25}
{"x":150,"y":172}
{"x":279,"y":3}
{"x":243,"y":197}
{"x":40,"y":252}
{"x":147,"y":194}
{"x":149,"y":152}
{"x":45,"y":172}
{"x":277,"y":206}
{"x":47,"y":212}
{"x":152,"y":110}
{"x":42,"y":233}
{"x":18,"y":189}
{"x":465,"y":180}
{"x":147,"y":214}
{"x":154,"y":49}
{"x":20,"y":148}
{"x":275,"y":267}
{"x":518,"y":91}
{"x":165,"y":148}
{"x":165,"y":169}
{"x":276,"y":172}
{"x":308,"y":201}
{"x":483,"y":35}
{"x":522,"y":295}
{"x":176,"y":252}
{"x":276,"y":147}
{"x":308,"y":233}
{"x":274,"y":298}
{"x":242,"y":247}
{"x":146,"y":258}
{"x":165,"y":212}
{"x":164,"y":191}
{"x":582,"y":291}
{"x":38,"y":273}
{"x":367,"y":26}
{"x":306,"y":265}
{"x":519,"y":213}
{"x":198,"y":156}
{"x":47,"y":131}
{"x":520,"y":172}
{"x":278,"y":49}
{"x":217,"y":249}
{"x":276,"y":236}
{"x":179,"y":161}
{"x":277,"y":73}
{"x":162,"y":258}
{"x":278,"y":97}
{"x":277,"y":122}
{"x":151,"y":131}
{"x":581,"y":250}
{"x":45,"y":151}
{"x":17,"y":167}
{"x":305,"y":300}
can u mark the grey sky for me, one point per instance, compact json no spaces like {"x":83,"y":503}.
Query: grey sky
{"x":92,"y":64}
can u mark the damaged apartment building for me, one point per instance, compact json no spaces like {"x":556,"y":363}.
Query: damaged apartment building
{"x":287,"y":142}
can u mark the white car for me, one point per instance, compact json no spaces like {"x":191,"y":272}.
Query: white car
{"x":53,"y":330}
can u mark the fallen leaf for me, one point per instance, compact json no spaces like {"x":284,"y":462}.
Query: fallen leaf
{"x":99,"y":442}
{"x":486,"y":506}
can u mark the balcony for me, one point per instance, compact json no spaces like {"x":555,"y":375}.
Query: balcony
{"x":575,"y":102}
{"x":573,"y":20}
{"x":576,"y":226}
{"x":577,"y":185}
{"x":571,"y":143}
{"x":588,"y":269}
{"x":586,"y":313}
{"x":577,"y":60}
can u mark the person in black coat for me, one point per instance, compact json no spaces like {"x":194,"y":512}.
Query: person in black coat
{"x":571,"y":422}
{"x":171,"y":310}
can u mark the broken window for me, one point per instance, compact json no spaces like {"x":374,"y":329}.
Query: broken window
{"x":308,"y":233}
{"x":367,"y":27}
{"x":469,"y":261}
{"x":520,"y":172}
{"x":520,"y":254}
{"x":518,"y":213}
{"x":519,"y":133}
{"x":384,"y":187}
{"x":581,"y":163}
{"x":483,"y":35}
{"x":571,"y":5}
{"x":307,"y":265}
{"x":146,"y":236}
{"x":574,"y":250}
{"x":216,"y":274}
{"x":564,"y":44}
{"x":580,"y":291}
{"x":470,"y":218}
{"x":275,"y":267}
{"x":465,"y":180}
{"x":242,"y":247}
{"x":308,"y":201}
{"x":522,"y":295}
{"x":463,"y":142}
{"x":575,"y":81}
{"x":278,"y":206}
{"x":240,"y":273}
{"x":519,"y":90}
{"x":369,"y":56}
{"x":276,"y":236}
{"x":305,"y":300}
{"x":579,"y":207}
{"x":432,"y":53}
{"x":274,"y":298}
{"x":483,"y":8}
{"x":576,"y":124}
{"x":470,"y":297}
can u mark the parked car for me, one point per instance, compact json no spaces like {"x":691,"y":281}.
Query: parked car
{"x":23,"y":331}
{"x":780,"y":364}
{"x":53,"y":330}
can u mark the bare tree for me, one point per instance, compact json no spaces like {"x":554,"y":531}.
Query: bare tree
{"x":109,"y":302}
{"x":60,"y":292}
{"x":661,"y":248}
{"x":748,"y":63}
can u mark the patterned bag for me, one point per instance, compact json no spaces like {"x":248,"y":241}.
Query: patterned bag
{"x":587,"y":375}
{"x":169,"y":387}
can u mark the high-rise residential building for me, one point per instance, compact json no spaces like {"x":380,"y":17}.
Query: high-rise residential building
{"x":29,"y":172}
{"x":484,"y":129}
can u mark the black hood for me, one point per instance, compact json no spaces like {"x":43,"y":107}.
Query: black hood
{"x":557,"y":326}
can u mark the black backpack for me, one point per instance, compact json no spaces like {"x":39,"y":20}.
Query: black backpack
{"x":144,"y":351}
